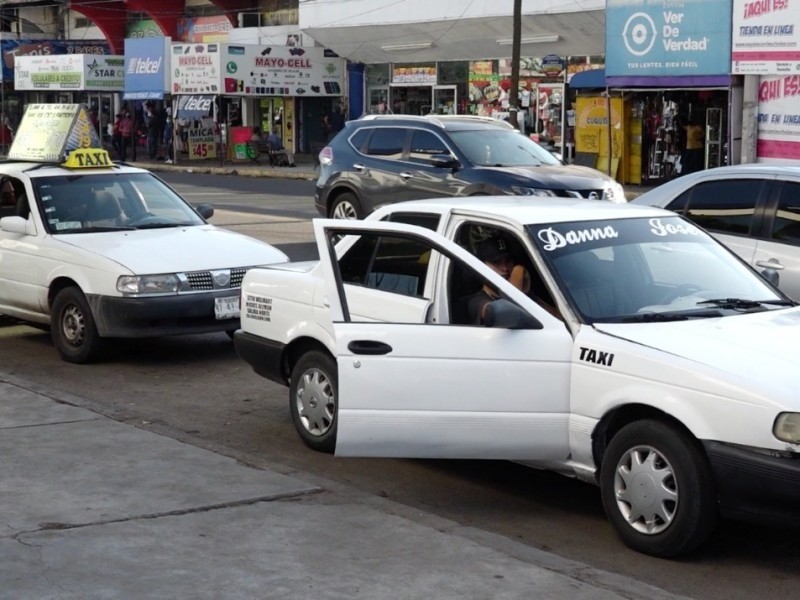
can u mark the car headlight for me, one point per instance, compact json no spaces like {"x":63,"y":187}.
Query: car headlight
{"x":148,"y":284}
{"x":526,"y":191}
{"x":614,"y":192}
{"x":787,"y":427}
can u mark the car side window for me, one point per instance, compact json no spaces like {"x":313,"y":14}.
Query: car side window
{"x":359,"y":138}
{"x":726,"y":205}
{"x":425,"y":144}
{"x":387,"y":262}
{"x":786,"y":223}
{"x":386,"y":142}
{"x":678,"y":205}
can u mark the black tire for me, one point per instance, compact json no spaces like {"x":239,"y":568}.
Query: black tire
{"x":673,"y":488}
{"x":314,"y":400}
{"x":346,"y":206}
{"x":73,"y":328}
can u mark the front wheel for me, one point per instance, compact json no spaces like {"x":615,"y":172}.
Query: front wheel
{"x":313,"y":399}
{"x":657,"y":489}
{"x":73,"y":328}
{"x":346,"y":206}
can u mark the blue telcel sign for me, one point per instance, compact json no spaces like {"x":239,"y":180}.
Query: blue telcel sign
{"x":146,"y":63}
{"x":668,"y":38}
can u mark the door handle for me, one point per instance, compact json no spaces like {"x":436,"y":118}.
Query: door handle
{"x":772,"y":263}
{"x":359,"y":167}
{"x":368,"y":347}
{"x":406,"y":175}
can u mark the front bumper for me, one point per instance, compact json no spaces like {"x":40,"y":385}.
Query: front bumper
{"x":755,"y":486}
{"x":265,"y":356}
{"x":160,"y":315}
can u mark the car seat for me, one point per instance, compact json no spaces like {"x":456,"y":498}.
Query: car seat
{"x":103,"y":210}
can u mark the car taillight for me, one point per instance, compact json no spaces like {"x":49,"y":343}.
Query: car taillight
{"x":326,"y":156}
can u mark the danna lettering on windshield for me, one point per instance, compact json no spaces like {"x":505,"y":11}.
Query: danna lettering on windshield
{"x":552,"y":239}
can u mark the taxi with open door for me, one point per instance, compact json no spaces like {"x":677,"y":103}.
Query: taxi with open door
{"x":98,"y":250}
{"x":639,"y":354}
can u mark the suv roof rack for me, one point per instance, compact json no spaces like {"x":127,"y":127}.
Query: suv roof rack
{"x":439,"y":120}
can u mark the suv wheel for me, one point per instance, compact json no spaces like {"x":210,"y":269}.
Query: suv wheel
{"x":346,"y":206}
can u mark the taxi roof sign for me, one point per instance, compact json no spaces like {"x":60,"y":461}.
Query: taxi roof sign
{"x":50,"y":132}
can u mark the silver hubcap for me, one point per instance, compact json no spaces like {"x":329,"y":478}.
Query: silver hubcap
{"x":646,"y":490}
{"x":73,"y":325}
{"x":344,"y":210}
{"x":315,"y":402}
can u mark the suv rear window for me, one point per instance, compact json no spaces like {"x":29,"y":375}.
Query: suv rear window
{"x":386,"y":142}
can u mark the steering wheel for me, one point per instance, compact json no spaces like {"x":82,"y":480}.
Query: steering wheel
{"x":687,"y":289}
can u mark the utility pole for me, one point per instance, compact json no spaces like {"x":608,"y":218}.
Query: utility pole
{"x":513,"y":93}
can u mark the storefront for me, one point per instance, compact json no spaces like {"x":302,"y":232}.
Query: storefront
{"x":287,"y":89}
{"x":669,"y":82}
{"x":478,"y":87}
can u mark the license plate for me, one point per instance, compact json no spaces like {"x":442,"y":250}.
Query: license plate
{"x":227,"y":307}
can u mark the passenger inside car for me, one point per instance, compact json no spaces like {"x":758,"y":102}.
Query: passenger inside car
{"x":468,"y":293}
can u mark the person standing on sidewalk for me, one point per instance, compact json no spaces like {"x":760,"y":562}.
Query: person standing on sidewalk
{"x":168,"y":138}
{"x":126,"y":136}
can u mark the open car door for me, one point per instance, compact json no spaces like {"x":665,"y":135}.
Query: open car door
{"x":440,"y":390}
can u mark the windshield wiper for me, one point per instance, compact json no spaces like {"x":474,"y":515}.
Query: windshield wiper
{"x":744,"y":304}
{"x":663,"y":317}
{"x":161,"y":225}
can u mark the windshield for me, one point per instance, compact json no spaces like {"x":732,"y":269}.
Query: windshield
{"x":501,"y":148}
{"x":110,"y":202}
{"x":649,"y":269}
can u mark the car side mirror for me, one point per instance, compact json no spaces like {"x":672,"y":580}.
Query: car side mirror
{"x":205,"y":210}
{"x":771,"y":275}
{"x":444,"y":161}
{"x":503,"y":314}
{"x":17,"y":225}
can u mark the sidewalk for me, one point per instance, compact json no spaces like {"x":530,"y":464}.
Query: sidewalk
{"x":95,"y":508}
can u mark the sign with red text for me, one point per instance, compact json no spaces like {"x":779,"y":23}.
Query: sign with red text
{"x":779,"y":119}
{"x":195,"y":69}
{"x":766,"y":37}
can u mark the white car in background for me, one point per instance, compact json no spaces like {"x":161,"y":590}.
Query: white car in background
{"x":753,"y":209}
{"x":645,"y":357}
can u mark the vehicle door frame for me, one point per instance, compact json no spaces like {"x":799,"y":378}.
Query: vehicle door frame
{"x":386,"y":405}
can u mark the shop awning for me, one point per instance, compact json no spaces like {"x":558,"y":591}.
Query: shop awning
{"x":194,"y":106}
{"x":591,"y":79}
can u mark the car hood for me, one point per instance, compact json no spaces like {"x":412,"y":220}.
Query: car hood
{"x":560,"y":177}
{"x":176,"y":249}
{"x":761,"y":343}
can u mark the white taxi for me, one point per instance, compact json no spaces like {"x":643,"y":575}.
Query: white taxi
{"x":98,"y":250}
{"x":639,"y":354}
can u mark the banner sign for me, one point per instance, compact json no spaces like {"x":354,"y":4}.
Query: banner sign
{"x":766,"y":37}
{"x":11,"y":49}
{"x":251,"y":70}
{"x":778,"y":119}
{"x":202,"y":143}
{"x":195,"y":69}
{"x":657,"y":39}
{"x":69,"y":72}
{"x":146,"y":68}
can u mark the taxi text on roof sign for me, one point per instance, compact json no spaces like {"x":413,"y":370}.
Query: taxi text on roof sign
{"x":56,"y":133}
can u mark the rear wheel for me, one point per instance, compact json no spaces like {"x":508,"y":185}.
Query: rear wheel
{"x":346,"y":206}
{"x":657,"y":489}
{"x":313,"y":398}
{"x":73,"y":328}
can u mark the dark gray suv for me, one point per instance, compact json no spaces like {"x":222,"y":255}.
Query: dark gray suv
{"x":382,"y":159}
